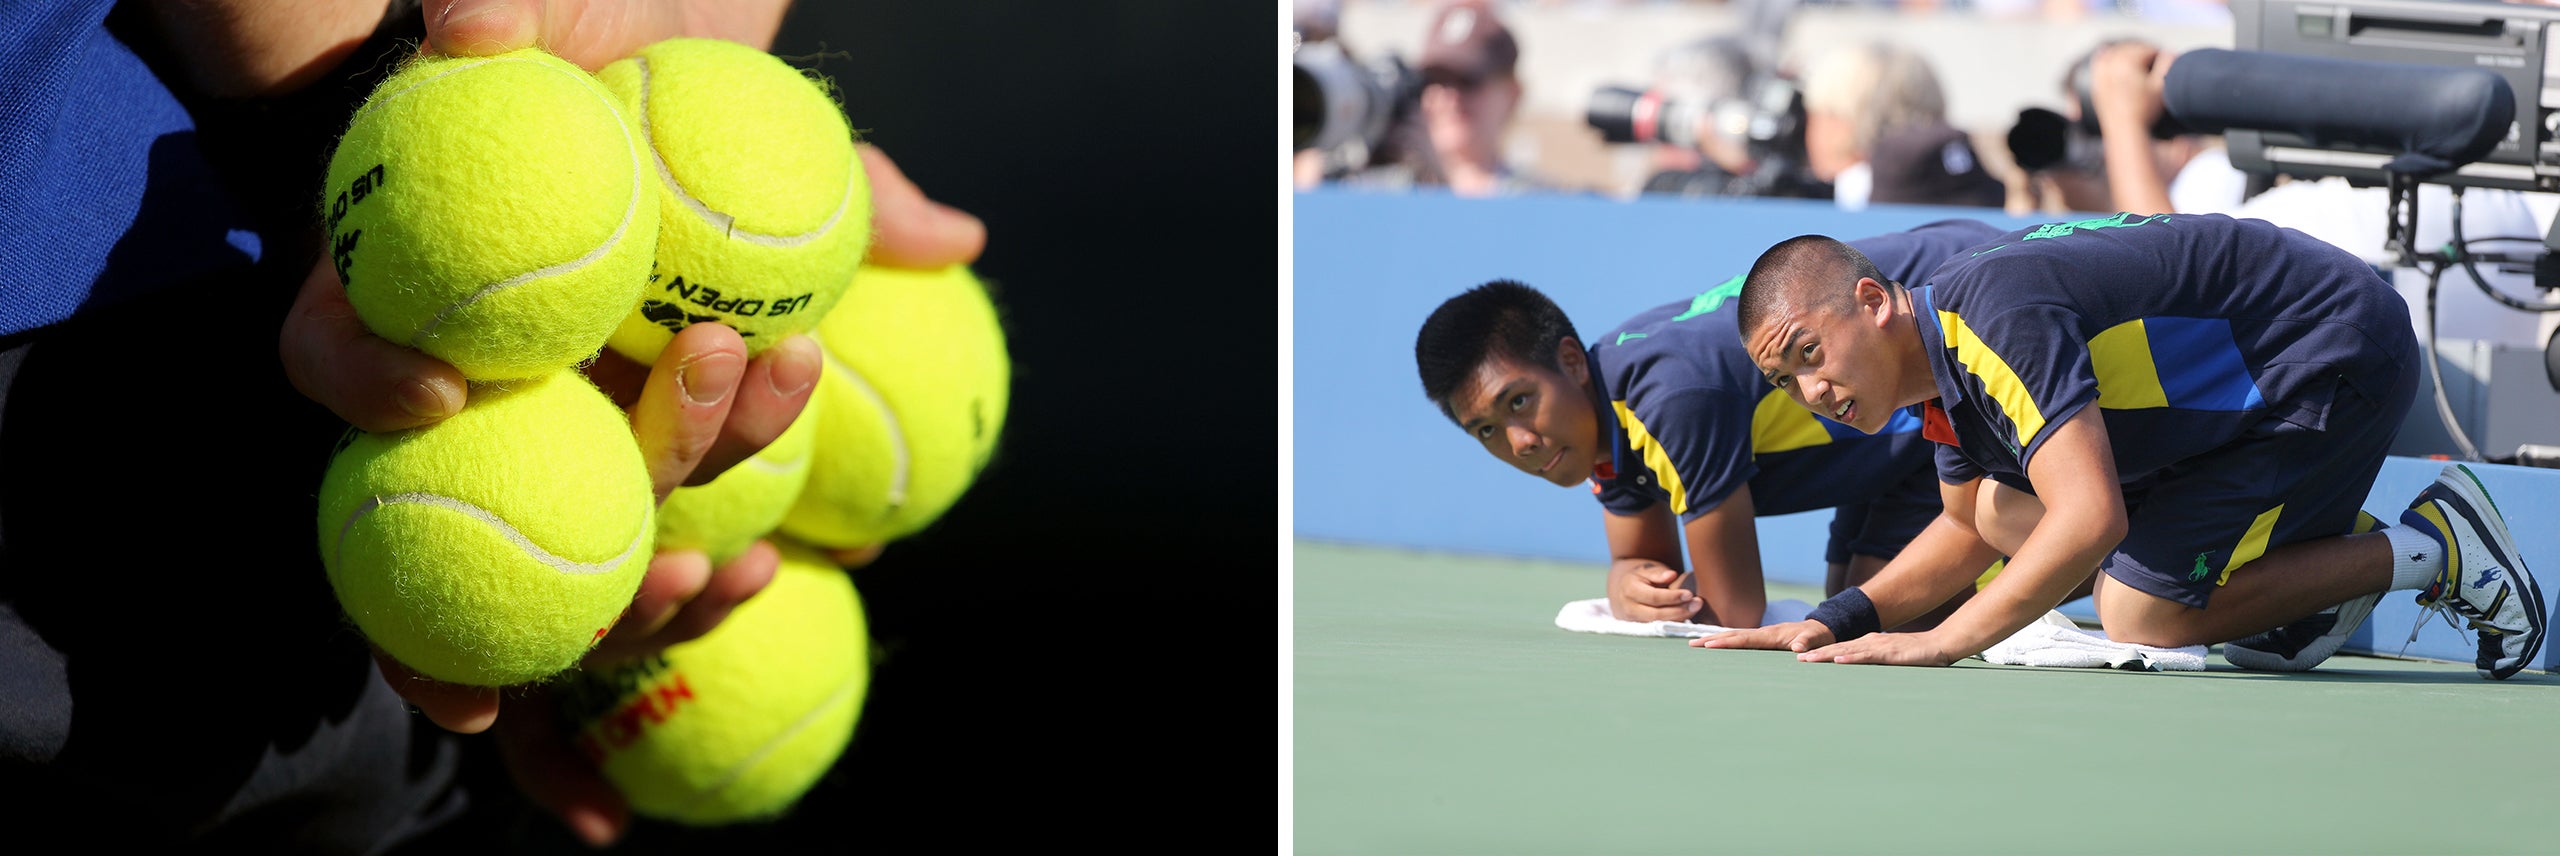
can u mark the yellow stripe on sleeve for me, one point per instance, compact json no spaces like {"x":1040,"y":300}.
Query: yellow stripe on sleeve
{"x":1997,"y":379}
{"x":1655,"y":458}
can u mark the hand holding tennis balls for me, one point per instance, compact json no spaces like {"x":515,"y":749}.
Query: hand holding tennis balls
{"x":736,"y":725}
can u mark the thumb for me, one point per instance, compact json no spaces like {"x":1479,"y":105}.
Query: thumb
{"x":483,"y":27}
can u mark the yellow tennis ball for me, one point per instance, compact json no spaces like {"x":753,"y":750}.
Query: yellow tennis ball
{"x":494,"y":547}
{"x":738,"y":724}
{"x":745,"y":503}
{"x":912,"y":401}
{"x":764,"y":207}
{"x":495,"y":212}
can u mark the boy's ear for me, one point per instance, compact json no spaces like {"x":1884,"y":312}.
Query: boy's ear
{"x":1570,"y":358}
{"x":1875,"y":300}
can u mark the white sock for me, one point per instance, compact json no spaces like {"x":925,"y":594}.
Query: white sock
{"x":2417,"y":558}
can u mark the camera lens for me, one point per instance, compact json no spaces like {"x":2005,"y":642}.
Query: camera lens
{"x":1614,"y":112}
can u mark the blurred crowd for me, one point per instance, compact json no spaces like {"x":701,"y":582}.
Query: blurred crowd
{"x":1731,"y":113}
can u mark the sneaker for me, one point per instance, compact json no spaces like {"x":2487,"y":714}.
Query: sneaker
{"x":2485,"y":582}
{"x":2305,"y":643}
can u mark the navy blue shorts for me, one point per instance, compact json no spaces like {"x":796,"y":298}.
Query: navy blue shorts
{"x":1881,"y":526}
{"x":2193,"y":524}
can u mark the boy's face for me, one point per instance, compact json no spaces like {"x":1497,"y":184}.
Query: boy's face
{"x":1836,"y":362}
{"x":1537,"y":419}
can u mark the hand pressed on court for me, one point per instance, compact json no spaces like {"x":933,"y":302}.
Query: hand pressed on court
{"x":1797,"y":636}
{"x":1884,"y":649}
{"x":1652,"y":593}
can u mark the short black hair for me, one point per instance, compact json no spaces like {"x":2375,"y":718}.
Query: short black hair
{"x":1503,"y":318}
{"x":1803,"y":272}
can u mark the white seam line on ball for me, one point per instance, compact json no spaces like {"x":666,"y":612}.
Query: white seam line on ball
{"x":739,"y":770}
{"x":630,"y":208}
{"x":557,"y":563}
{"x":897,"y":436}
{"x":727,"y":223}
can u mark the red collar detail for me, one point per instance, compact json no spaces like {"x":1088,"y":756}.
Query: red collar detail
{"x":1602,"y":472}
{"x":1935,"y":425}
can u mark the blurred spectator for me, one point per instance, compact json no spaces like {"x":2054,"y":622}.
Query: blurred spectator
{"x":1471,"y":92}
{"x":1932,"y":165}
{"x":1861,"y":96}
{"x":1706,"y":71}
{"x":2146,"y":172}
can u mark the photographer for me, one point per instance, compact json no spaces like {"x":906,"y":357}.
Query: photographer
{"x":2150,"y":165}
{"x":1877,"y":98}
{"x":1722,"y":127}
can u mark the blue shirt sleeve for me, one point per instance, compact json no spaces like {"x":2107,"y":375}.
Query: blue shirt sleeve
{"x":101,"y":180}
{"x":1702,"y":453}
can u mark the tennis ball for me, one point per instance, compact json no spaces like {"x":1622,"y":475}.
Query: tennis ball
{"x":494,"y":547}
{"x":745,"y":503}
{"x":735,"y":725}
{"x":764,"y":209}
{"x":911,"y":401}
{"x":494,"y":212}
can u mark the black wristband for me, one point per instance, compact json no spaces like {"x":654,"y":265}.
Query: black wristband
{"x":1849,"y":614}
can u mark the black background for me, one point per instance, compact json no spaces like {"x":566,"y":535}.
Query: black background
{"x":1121,"y":156}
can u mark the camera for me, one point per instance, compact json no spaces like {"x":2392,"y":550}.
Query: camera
{"x":2043,"y":139}
{"x":1766,"y":119}
{"x":1347,"y":108}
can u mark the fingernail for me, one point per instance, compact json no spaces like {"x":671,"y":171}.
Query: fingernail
{"x":795,"y":367}
{"x":708,"y":379}
{"x":487,"y":23}
{"x":591,"y":828}
{"x":427,"y":399}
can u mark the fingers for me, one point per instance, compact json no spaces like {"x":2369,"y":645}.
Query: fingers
{"x":372,"y":383}
{"x":688,"y":395}
{"x":911,"y":231}
{"x":776,"y":388}
{"x":483,"y":27}
{"x":730,"y":585}
{"x":673,"y":579}
{"x":852,"y":558}
{"x":589,"y":34}
{"x":541,"y":760}
{"x":453,"y":707}
{"x":682,"y":597}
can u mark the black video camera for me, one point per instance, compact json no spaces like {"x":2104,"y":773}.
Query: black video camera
{"x":1347,"y":108}
{"x":1766,"y":118}
{"x":2043,"y":139}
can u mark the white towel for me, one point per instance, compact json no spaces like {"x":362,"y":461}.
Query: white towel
{"x":1592,"y":616}
{"x":2053,"y":640}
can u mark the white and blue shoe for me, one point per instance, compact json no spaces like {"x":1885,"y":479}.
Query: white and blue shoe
{"x":2305,"y":643}
{"x":2485,"y":582}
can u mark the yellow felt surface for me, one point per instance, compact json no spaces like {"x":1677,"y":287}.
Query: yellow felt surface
{"x":492,"y":548}
{"x":739,"y":723}
{"x":493,"y":212}
{"x":764,"y":208}
{"x":747,"y":502}
{"x":913,"y":397}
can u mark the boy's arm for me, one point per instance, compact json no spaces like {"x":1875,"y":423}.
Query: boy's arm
{"x":1942,"y":561}
{"x":1724,"y":545}
{"x":1644,"y":567}
{"x":2084,"y":517}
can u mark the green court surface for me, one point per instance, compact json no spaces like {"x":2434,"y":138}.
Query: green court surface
{"x":1438,"y":709}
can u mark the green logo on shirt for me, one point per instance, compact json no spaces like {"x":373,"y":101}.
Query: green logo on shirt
{"x":1623,"y":337}
{"x":2203,"y":568}
{"x":2057,"y":230}
{"x":1710,"y":301}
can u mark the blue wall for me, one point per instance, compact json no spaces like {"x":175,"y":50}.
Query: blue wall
{"x":1376,"y":464}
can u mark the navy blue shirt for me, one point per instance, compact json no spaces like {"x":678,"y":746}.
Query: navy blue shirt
{"x":2186,"y":330}
{"x":1694,"y":419}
